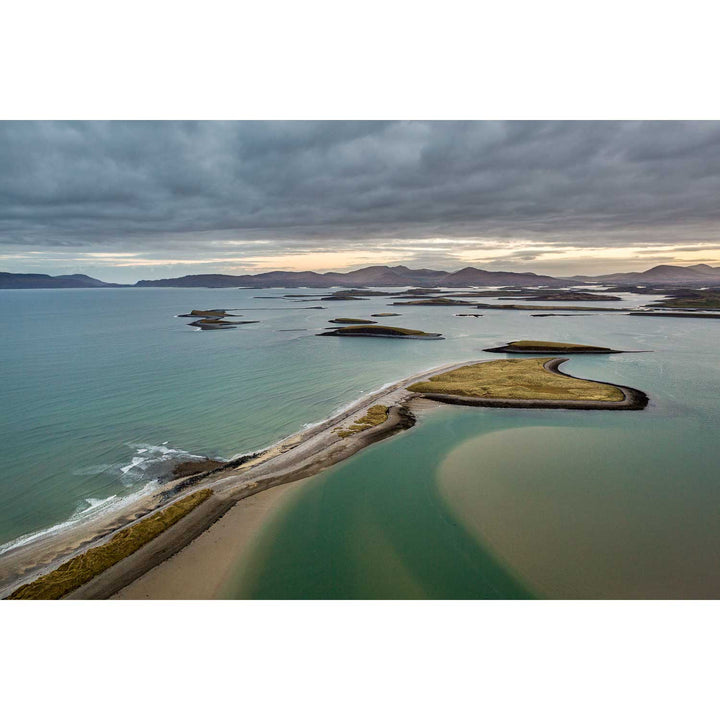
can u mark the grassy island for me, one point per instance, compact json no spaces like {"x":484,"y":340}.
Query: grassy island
{"x":544,"y":347}
{"x":82,"y":568}
{"x":516,"y":380}
{"x":218,"y":313}
{"x":434,"y":301}
{"x":217,"y":324}
{"x":385,"y":315}
{"x":376,"y":415}
{"x":353,"y":321}
{"x":385,"y":331}
{"x":574,"y":308}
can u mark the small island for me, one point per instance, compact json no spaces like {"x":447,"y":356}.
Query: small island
{"x":566,"y":295}
{"x":696,"y":315}
{"x":385,"y":315}
{"x":543,"y":347}
{"x":383,"y":331}
{"x":574,"y":308}
{"x":352,"y":321}
{"x":529,"y":383}
{"x":218,"y":313}
{"x":434,"y":301}
{"x":354,"y":294}
{"x":208,"y":323}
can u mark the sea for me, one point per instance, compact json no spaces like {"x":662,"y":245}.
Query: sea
{"x":104,"y":390}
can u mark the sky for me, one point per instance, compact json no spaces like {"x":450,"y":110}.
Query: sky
{"x":124,"y":201}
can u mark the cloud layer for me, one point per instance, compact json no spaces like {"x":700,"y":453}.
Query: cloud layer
{"x":233,"y":195}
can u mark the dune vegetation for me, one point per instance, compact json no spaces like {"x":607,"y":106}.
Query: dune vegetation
{"x":376,"y":415}
{"x":518,"y":380}
{"x":82,"y":568}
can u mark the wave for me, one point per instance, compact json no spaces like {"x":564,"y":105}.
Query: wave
{"x":150,"y":467}
{"x":154,"y":462}
{"x":90,"y":508}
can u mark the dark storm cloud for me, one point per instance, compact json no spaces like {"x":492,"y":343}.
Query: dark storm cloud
{"x":181,"y":186}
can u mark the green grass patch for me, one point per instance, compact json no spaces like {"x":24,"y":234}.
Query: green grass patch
{"x":516,"y":380}
{"x":376,"y":415}
{"x":82,"y":568}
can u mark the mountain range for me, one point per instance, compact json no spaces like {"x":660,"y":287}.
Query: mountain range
{"x":666,"y":274}
{"x":21,"y":281}
{"x":382,"y":276}
{"x":374,"y":276}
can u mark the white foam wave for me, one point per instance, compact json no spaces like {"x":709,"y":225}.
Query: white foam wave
{"x":94,"y":503}
{"x":153,"y":462}
{"x":95,"y":507}
{"x":149,"y":467}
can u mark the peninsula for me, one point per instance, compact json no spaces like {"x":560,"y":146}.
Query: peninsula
{"x":101,"y":557}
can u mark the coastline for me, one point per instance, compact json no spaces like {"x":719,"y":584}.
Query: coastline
{"x":295,"y":458}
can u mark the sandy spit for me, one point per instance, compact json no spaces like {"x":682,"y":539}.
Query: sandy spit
{"x":296,"y":457}
{"x":193,"y":558}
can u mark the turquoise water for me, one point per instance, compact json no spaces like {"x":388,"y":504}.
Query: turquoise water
{"x":486,"y":503}
{"x":101,"y":389}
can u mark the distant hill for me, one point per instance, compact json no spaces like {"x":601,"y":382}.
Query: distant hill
{"x":33,"y":281}
{"x":662,"y":274}
{"x":384,"y":276}
{"x":374,"y":276}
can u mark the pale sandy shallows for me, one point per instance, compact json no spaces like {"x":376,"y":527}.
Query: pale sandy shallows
{"x":201,"y":570}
